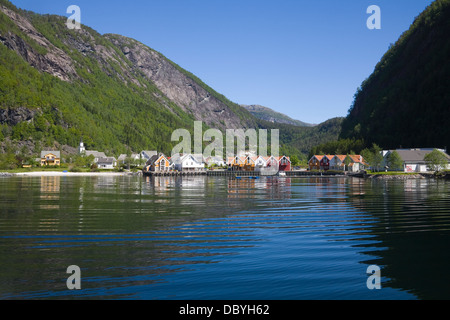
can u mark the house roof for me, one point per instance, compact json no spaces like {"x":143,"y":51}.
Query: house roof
{"x":155,"y":158}
{"x":356,"y":158}
{"x":44,"y":153}
{"x":96,"y":154}
{"x":341,"y":157}
{"x":281,"y":157}
{"x":149,"y":153}
{"x":317,"y":157}
{"x":415,"y":155}
{"x":107,"y":160}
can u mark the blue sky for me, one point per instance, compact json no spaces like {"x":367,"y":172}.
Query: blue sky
{"x":302,"y":58}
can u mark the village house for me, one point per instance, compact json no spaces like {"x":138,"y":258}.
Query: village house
{"x":284,"y":163}
{"x":187,"y":163}
{"x":314,"y":162}
{"x":272,"y":162}
{"x":96,"y":154}
{"x":347,"y":163}
{"x":325,"y":162}
{"x":107,"y":163}
{"x":356,"y":163}
{"x":146,"y":155}
{"x":158,"y":163}
{"x":249,"y":163}
{"x":261,"y":162}
{"x":50,"y":158}
{"x":337,"y":163}
{"x":236,"y":163}
{"x":413,"y":159}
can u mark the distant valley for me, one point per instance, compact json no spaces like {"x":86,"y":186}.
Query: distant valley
{"x":268,"y":114}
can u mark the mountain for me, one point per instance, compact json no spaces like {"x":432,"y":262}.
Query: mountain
{"x":59,"y":86}
{"x":270,"y":115}
{"x":405,"y":102}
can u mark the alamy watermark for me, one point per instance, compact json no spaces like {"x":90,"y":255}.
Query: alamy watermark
{"x":374,"y":280}
{"x":374,"y":21}
{"x":74,"y":281}
{"x":239,"y":143}
{"x":74,"y":21}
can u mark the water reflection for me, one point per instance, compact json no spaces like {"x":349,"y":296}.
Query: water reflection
{"x":50,"y":188}
{"x":262,"y":188}
{"x":217,"y":237}
{"x":412,"y":233}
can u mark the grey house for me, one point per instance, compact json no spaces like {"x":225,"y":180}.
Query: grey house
{"x":413,"y":159}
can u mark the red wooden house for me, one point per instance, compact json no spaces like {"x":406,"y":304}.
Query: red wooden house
{"x":284,"y":163}
{"x":325,"y":162}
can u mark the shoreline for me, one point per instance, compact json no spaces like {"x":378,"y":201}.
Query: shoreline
{"x":64,"y":174}
{"x":118,"y":174}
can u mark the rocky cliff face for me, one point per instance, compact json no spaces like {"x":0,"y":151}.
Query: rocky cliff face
{"x":17,"y":115}
{"x":133,"y":59}
{"x":55,"y":61}
{"x":176,"y":85}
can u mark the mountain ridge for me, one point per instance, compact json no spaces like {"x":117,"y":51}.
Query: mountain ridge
{"x":113,"y":92}
{"x":268,"y":114}
{"x":405,"y":101}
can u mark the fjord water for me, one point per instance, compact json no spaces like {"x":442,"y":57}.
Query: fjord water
{"x":222,"y":238}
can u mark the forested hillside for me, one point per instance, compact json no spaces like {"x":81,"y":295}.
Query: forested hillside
{"x":406,"y":101}
{"x":58,"y":86}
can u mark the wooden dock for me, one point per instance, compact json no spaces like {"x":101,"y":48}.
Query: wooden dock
{"x":231,"y":173}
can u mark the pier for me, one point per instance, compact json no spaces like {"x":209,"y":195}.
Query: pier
{"x":231,"y":173}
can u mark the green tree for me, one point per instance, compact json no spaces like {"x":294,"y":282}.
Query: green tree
{"x":367,"y":155}
{"x":436,"y":161}
{"x":347,"y":161}
{"x":377,"y":157}
{"x":83,"y":162}
{"x":295,"y":161}
{"x":394,"y":161}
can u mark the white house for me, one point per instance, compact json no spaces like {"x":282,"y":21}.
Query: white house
{"x":260,"y":163}
{"x":107,"y":163}
{"x":413,"y":159}
{"x":357,"y":163}
{"x":187,"y":162}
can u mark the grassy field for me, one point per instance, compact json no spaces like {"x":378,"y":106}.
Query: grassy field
{"x":392,"y":173}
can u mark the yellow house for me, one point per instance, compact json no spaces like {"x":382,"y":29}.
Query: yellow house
{"x":50,"y":158}
{"x":236,"y":163}
{"x":158,"y":163}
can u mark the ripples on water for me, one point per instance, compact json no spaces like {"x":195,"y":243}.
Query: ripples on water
{"x":218,"y":238}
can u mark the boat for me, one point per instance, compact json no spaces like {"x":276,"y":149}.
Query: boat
{"x":250,"y":177}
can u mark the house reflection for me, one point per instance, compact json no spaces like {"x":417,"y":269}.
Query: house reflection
{"x":263,"y":188}
{"x":50,"y":192}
